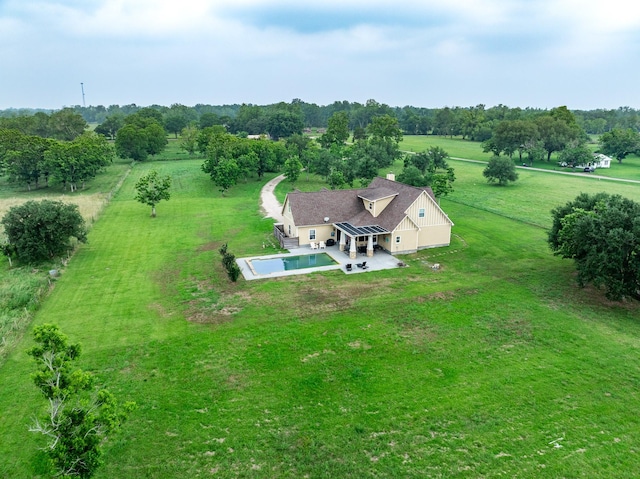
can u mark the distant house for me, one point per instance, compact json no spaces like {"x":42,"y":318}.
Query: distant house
{"x":601,"y":161}
{"x":389,"y":215}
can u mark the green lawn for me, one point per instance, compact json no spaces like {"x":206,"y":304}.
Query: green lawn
{"x":477,"y":370}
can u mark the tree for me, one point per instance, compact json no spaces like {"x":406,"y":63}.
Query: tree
{"x":131,"y":142}
{"x":556,"y":134}
{"x":110,"y":126}
{"x":385,"y":135}
{"x":335,"y":179}
{"x":73,"y":162}
{"x":578,"y":155}
{"x":292,"y":169}
{"x":24,"y":158}
{"x":225,"y":174}
{"x":177,"y":118}
{"x":601,"y":233}
{"x":500,"y":169}
{"x":337,"y":130}
{"x":619,"y":143}
{"x":78,"y":418}
{"x":151,"y":189}
{"x":429,"y":168}
{"x":189,"y":139}
{"x":66,"y":124}
{"x":38,"y":231}
{"x":283,"y":123}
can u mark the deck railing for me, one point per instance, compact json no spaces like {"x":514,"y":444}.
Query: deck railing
{"x":285,"y":241}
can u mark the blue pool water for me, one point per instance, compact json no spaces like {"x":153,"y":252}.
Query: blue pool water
{"x":275,"y":265}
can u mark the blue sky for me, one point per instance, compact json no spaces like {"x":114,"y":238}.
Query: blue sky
{"x":528,"y":53}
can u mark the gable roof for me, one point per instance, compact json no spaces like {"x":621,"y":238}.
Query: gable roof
{"x":345,"y":206}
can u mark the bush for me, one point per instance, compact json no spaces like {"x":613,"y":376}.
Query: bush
{"x":229,"y":262}
{"x":39,"y":231}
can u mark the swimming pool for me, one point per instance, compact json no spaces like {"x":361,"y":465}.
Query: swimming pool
{"x":287,"y":263}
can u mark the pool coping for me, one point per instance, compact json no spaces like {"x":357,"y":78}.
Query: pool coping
{"x":250,"y":273}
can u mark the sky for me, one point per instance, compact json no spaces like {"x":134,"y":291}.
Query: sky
{"x":584,"y":54}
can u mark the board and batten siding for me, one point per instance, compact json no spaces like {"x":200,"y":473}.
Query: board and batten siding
{"x":416,"y":233}
{"x":433,"y":215}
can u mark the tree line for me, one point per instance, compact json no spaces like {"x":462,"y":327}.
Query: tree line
{"x":473,"y":122}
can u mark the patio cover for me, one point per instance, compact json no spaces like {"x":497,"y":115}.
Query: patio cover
{"x":361,"y":230}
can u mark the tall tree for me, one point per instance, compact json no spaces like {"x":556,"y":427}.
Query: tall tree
{"x":619,"y":143}
{"x":110,"y":126}
{"x":556,"y":134}
{"x":337,"y":130}
{"x":283,"y":123}
{"x":79,"y":160}
{"x":292,"y":168}
{"x":24,"y":159}
{"x":66,"y":124}
{"x":601,"y":233}
{"x":225,"y":174}
{"x":189,"y":139}
{"x":151,"y":189}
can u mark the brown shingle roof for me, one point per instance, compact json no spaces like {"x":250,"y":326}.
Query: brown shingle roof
{"x":346,"y":206}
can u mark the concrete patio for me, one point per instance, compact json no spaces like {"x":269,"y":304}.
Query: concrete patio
{"x":379,"y":261}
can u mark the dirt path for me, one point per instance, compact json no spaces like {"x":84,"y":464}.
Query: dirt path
{"x":271,"y":207}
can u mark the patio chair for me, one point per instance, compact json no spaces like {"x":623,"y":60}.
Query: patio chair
{"x":322,"y":245}
{"x":349,"y":267}
{"x":362,"y":265}
{"x":313,"y":245}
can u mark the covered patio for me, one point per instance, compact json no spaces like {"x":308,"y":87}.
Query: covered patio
{"x":354,"y":237}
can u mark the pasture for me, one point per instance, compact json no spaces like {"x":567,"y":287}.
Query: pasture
{"x":497,"y":365}
{"x":459,"y":148}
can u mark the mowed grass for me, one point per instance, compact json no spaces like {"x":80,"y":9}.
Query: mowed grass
{"x":23,"y":286}
{"x":629,"y":168}
{"x":494,"y":366}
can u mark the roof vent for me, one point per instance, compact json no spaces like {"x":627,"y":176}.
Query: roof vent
{"x":326,"y":219}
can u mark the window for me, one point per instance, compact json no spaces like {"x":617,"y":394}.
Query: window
{"x":312,"y":234}
{"x":289,"y":230}
{"x":397,"y":239}
{"x":289,"y":207}
{"x":421,"y":213}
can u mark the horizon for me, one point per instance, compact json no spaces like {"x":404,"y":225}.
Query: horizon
{"x":533,"y":53}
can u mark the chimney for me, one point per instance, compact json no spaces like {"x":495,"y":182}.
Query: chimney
{"x":391,"y":176}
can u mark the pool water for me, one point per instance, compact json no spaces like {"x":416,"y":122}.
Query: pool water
{"x":287,"y":263}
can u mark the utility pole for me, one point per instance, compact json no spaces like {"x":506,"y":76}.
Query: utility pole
{"x":83,"y":103}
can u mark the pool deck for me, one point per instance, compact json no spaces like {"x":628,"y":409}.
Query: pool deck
{"x":379,"y":261}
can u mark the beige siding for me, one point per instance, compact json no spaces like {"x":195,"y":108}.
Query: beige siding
{"x":288,"y":220}
{"x":323,"y":233}
{"x":433,"y":236}
{"x":408,"y":241}
{"x":377,"y":206}
{"x":380,"y":205}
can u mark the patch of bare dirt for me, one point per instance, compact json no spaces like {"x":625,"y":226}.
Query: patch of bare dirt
{"x":211,"y":246}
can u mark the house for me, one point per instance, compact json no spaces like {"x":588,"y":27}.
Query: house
{"x":387,"y":214}
{"x":601,"y":161}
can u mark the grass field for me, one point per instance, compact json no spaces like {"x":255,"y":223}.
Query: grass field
{"x":459,"y":148}
{"x":497,"y":365}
